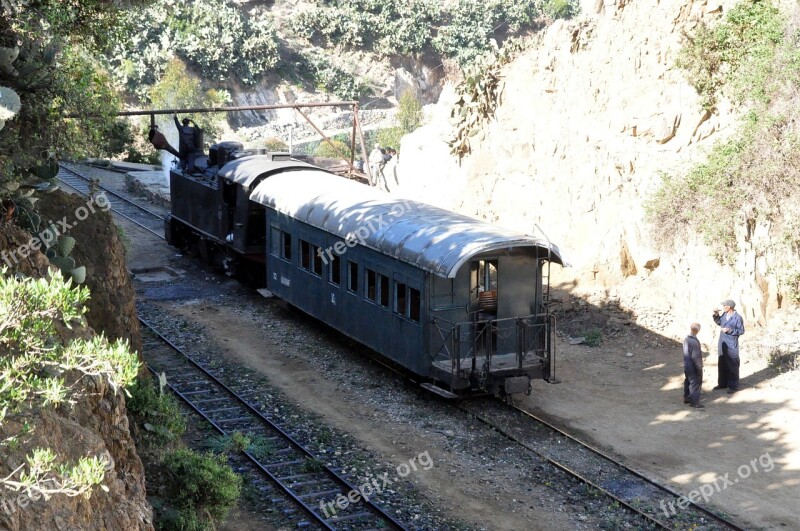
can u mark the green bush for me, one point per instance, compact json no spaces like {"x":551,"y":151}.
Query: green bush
{"x":385,"y":26}
{"x":735,"y":56}
{"x":40,"y":369}
{"x":178,"y":88}
{"x":201,"y":489}
{"x":258,"y":445}
{"x":753,"y":176}
{"x":390,"y":137}
{"x":408,"y":118}
{"x":409,"y":113}
{"x":275,"y":144}
{"x":460,"y":30}
{"x":472,"y":26}
{"x":783,"y":360}
{"x":702,"y":200}
{"x":214,"y":36}
{"x":467,"y":33}
{"x":593,"y":337}
{"x":556,"y":9}
{"x":157,"y":412}
{"x":326,"y":150}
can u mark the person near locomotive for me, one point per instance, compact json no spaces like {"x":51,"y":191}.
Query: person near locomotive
{"x":187,"y":150}
{"x":692,"y":368}
{"x":732,"y":326}
{"x":375,"y":163}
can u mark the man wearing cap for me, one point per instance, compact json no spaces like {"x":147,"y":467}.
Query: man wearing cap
{"x":728,"y":346}
{"x":692,"y":368}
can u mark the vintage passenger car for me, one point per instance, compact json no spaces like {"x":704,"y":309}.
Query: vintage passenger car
{"x":458,"y":302}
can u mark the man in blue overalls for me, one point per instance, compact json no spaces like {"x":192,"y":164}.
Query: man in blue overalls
{"x":732,"y":327}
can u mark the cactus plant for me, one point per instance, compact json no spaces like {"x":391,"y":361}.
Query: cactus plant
{"x":7,"y":58}
{"x":78,"y":274}
{"x":58,"y":253}
{"x":65,"y":245}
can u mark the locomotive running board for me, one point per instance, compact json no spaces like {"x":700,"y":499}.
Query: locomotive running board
{"x":438,"y":390}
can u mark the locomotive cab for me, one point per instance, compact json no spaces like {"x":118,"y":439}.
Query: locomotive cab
{"x":211,"y":212}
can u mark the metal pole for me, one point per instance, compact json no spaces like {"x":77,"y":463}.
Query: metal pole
{"x":222,"y":109}
{"x":353,"y":137}
{"x":363,"y":149}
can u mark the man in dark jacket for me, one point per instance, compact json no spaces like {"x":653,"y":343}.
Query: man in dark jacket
{"x":187,"y":151}
{"x":728,"y":347}
{"x":692,"y":368}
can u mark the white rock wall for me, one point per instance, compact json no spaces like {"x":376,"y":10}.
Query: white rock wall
{"x":587,"y":122}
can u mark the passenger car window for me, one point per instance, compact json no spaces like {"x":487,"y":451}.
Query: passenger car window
{"x":352,"y":284}
{"x":334,"y":265}
{"x":305,"y":255}
{"x":371,"y":285}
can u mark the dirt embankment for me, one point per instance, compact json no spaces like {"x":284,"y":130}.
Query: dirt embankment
{"x":97,"y":423}
{"x":112,"y":307}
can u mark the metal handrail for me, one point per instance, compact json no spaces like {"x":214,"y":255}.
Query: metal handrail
{"x":450,"y":334}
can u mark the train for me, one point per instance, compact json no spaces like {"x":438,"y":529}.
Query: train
{"x":459,"y":304}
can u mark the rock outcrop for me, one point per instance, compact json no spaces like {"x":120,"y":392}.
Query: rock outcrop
{"x":112,"y":306}
{"x":97,"y":424}
{"x":588,"y":122}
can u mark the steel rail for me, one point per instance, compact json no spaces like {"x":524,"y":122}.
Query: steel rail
{"x":331,"y":474}
{"x":115,"y":194}
{"x":565,"y":468}
{"x":121,"y":198}
{"x":249,"y":456}
{"x":633,"y":471}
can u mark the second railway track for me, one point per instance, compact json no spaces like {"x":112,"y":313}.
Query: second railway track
{"x":655,"y":503}
{"x":289,"y":466}
{"x":146,"y":218}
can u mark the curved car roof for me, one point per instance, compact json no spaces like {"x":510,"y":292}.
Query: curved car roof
{"x":429,"y":237}
{"x":247,"y":169}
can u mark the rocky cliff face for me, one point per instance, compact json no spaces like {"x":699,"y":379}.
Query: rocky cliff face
{"x":112,"y":306}
{"x":97,"y":424}
{"x":588,"y":120}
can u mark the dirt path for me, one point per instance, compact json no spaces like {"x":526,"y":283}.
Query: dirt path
{"x":633,"y":405}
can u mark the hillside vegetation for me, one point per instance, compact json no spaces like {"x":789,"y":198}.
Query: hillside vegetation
{"x":231,"y":46}
{"x":751,"y":58}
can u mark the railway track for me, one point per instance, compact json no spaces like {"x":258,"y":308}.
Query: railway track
{"x":292,"y":470}
{"x":656,"y":504}
{"x":147,"y":219}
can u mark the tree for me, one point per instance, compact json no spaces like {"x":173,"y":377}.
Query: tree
{"x":408,"y":118}
{"x":47,"y":71}
{"x":178,"y":88}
